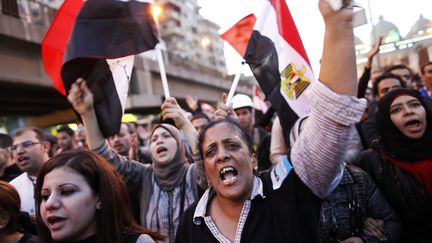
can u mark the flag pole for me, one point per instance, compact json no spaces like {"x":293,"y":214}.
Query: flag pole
{"x":234,"y":85}
{"x":156,"y":12}
{"x":162,"y":71}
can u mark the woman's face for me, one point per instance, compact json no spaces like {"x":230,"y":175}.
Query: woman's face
{"x":163,"y":146}
{"x":409,"y":116}
{"x":228,"y":162}
{"x":68,"y":206}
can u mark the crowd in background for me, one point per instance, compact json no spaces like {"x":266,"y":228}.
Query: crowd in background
{"x":61,"y":187}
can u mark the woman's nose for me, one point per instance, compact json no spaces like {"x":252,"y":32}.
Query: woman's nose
{"x":52,"y":202}
{"x":223,"y":155}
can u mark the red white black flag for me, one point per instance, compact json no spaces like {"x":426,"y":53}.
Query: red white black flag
{"x":101,"y":47}
{"x":278,"y":60}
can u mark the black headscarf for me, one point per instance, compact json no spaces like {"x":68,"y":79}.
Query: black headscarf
{"x":393,"y":141}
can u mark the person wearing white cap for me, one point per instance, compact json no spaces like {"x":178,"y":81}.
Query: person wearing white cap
{"x":243,"y":107}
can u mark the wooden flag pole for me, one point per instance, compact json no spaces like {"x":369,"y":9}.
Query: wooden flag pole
{"x":234,"y":85}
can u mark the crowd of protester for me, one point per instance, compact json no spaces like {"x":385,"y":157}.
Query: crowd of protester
{"x":354,"y":171}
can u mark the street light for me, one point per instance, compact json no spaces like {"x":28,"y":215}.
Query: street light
{"x":205,"y":42}
{"x":156,"y":10}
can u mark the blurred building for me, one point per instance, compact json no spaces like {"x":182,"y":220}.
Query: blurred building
{"x":189,"y":37}
{"x":195,"y":67}
{"x":412,"y":50}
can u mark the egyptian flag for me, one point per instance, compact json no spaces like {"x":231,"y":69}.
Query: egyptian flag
{"x":278,"y":60}
{"x":238,"y":35}
{"x":100,"y":48}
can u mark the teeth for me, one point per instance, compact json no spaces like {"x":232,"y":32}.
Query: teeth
{"x":229,"y":180}
{"x":226,"y":169}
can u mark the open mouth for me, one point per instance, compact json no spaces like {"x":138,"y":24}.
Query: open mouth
{"x":55,"y":219}
{"x":228,"y":175}
{"x":55,"y":222}
{"x":22,"y":158}
{"x":413,"y":125}
{"x":161,"y":150}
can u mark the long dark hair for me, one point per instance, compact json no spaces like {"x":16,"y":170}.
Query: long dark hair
{"x":9,"y":203}
{"x":114,"y":219}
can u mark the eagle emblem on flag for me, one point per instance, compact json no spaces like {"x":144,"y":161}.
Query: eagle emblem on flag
{"x":293,"y":81}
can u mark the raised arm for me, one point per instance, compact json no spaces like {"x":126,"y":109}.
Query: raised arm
{"x":81,"y":99}
{"x":318,"y":153}
{"x":171,"y":110}
{"x":364,"y":79}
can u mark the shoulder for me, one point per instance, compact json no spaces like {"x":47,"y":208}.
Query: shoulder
{"x":187,"y":227}
{"x":28,"y":238}
{"x":356,"y":171}
{"x":144,"y":238}
{"x":367,"y":156}
{"x":188,"y":214}
{"x":19,"y":180}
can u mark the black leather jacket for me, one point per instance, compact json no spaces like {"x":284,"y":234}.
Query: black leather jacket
{"x":354,"y":199}
{"x":406,"y":196}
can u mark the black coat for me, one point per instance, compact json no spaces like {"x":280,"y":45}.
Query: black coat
{"x":404,"y":193}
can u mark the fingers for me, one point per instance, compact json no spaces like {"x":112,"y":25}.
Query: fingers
{"x":223,"y":98}
{"x":75,"y":92}
{"x":220,"y":114}
{"x":374,"y":228}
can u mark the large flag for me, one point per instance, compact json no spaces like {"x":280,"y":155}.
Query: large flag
{"x":101,"y":48}
{"x":278,"y":60}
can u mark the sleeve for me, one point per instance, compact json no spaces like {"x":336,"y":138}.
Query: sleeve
{"x":318,"y":153}
{"x":144,"y":238}
{"x":378,"y":208}
{"x":132,"y":172}
{"x":363,"y":82}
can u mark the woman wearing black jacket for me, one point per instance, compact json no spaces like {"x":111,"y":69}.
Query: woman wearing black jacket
{"x":401,"y":164}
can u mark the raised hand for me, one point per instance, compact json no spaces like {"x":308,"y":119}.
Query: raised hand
{"x":223,"y":110}
{"x":345,"y":14}
{"x":81,"y":97}
{"x":374,"y":51}
{"x":172,"y":110}
{"x":191,"y":102}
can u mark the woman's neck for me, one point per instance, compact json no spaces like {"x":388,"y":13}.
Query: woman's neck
{"x":229,"y":207}
{"x":225,"y":213}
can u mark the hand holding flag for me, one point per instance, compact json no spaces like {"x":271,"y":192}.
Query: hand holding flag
{"x":278,"y":61}
{"x":106,"y":36}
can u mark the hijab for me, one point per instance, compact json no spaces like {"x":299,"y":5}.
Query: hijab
{"x":411,"y":155}
{"x":171,"y":174}
{"x":393,"y":141}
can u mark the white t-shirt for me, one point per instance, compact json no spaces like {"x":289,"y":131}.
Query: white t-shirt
{"x":25,"y":187}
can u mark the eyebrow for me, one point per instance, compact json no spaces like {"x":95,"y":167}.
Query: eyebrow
{"x":408,"y":102}
{"x":225,"y":140}
{"x":63,"y":185}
